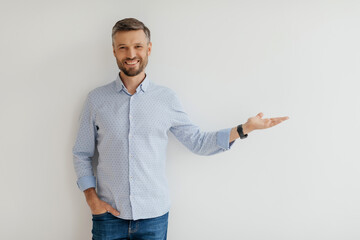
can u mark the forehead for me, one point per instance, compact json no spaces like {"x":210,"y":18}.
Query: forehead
{"x":129,"y":37}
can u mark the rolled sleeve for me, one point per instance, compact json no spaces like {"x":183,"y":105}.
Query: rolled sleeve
{"x":86,"y":182}
{"x":222,"y":139}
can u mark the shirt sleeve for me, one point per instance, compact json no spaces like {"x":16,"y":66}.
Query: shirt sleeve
{"x":196,"y":140}
{"x":84,"y":147}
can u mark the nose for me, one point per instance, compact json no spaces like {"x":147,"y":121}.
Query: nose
{"x":131,"y":53}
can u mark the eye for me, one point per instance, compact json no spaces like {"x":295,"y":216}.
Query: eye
{"x":138,"y":46}
{"x":121,"y":47}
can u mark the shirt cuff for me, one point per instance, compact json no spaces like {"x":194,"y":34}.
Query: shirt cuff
{"x":223,"y":137}
{"x":86,"y":182}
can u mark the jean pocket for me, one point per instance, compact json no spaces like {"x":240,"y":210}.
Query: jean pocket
{"x":100,"y":215}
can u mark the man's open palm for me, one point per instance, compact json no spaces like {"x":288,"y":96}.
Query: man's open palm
{"x":258,"y":122}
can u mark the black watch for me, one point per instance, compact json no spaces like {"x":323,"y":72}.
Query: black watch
{"x":241,"y":133}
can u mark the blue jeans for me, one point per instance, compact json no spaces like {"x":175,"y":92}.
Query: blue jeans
{"x":108,"y":227}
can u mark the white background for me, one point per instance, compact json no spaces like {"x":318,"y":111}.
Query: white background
{"x":227,"y":61}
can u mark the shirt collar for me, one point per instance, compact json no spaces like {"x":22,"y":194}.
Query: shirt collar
{"x":119,"y":85}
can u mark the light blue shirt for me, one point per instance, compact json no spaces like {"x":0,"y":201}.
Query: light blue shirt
{"x":130,"y":133}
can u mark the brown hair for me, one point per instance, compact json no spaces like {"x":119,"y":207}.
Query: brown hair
{"x":129,"y":24}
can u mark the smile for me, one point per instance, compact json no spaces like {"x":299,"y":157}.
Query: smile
{"x":132,"y":63}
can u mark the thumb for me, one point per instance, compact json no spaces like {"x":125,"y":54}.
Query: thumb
{"x":112,"y":210}
{"x":260,"y":115}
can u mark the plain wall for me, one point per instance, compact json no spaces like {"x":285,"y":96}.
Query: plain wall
{"x":227,"y":61}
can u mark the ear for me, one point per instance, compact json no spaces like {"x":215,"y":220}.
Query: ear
{"x":114,"y":50}
{"x":149,"y":48}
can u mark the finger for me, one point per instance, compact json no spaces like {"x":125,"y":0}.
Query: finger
{"x":260,"y":115}
{"x":96,"y":213}
{"x":113,"y":211}
{"x":276,"y":121}
{"x":283,"y":118}
{"x":279,"y":119}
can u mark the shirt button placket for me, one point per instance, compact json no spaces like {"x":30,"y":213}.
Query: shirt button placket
{"x":130,"y":150}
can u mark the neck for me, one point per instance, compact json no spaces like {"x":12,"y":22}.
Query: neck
{"x":131,"y":83}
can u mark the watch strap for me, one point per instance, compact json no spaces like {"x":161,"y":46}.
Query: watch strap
{"x":240,"y":131}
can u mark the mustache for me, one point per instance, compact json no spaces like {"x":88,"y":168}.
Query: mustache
{"x":129,"y":59}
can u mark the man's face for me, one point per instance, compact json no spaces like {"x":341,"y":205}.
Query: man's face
{"x":131,"y":51}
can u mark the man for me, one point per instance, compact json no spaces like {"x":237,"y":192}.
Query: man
{"x":128,"y":121}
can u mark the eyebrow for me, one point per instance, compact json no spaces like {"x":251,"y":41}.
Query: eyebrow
{"x":125,"y":44}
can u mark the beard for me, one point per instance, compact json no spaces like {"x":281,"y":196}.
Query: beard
{"x":132,"y":71}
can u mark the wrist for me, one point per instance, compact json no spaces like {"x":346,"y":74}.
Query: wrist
{"x":247,"y":128}
{"x":90,"y":195}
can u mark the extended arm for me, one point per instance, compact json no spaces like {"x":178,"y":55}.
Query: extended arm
{"x":190,"y":135}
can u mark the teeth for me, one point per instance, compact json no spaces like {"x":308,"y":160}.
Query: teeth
{"x":132,"y":62}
